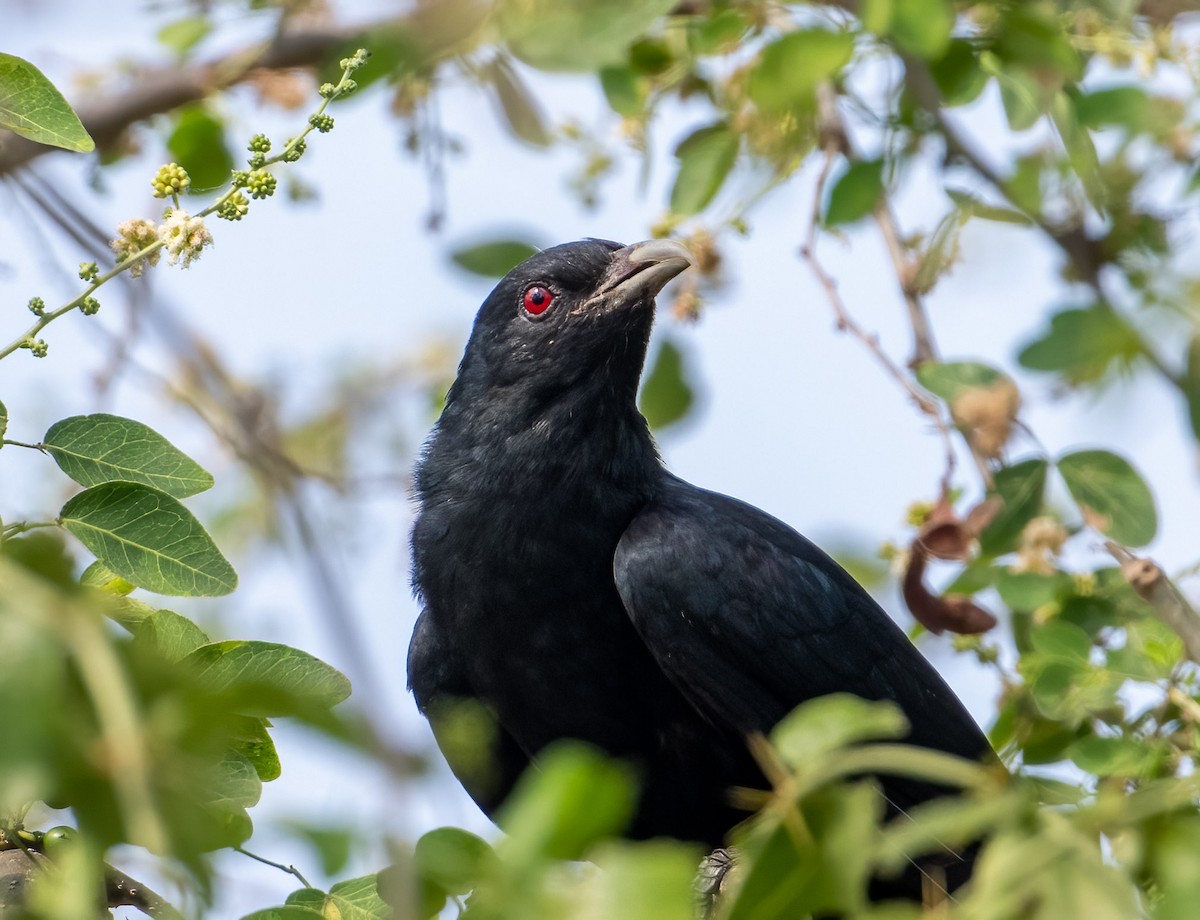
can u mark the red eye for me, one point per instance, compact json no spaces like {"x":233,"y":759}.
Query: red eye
{"x":537,"y":299}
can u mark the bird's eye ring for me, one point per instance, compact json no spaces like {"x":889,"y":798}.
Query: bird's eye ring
{"x":537,"y":300}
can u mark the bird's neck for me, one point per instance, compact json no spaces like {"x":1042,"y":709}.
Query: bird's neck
{"x":586,"y":443}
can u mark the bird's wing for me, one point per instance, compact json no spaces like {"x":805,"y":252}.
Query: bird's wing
{"x":749,"y":619}
{"x":484,"y":757}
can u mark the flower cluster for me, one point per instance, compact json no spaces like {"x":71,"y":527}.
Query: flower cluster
{"x":171,"y":179}
{"x":132,"y":237}
{"x":184,"y":237}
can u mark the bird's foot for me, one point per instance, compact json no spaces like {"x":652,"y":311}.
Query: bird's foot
{"x":716,"y":872}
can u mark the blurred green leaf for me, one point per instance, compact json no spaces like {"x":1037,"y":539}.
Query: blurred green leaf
{"x":1025,"y":98}
{"x":333,"y":845}
{"x":918,"y":27}
{"x":1060,"y":641}
{"x":1113,"y":497}
{"x":494,"y":258}
{"x":623,"y":90}
{"x":1190,"y":385}
{"x":790,"y":68}
{"x":453,"y":859}
{"x":198,"y":145}
{"x":957,"y":73}
{"x":855,"y":193}
{"x":666,"y":395}
{"x":521,"y":111}
{"x":1031,"y":35}
{"x":1126,"y":757}
{"x":705,"y":158}
{"x":149,"y":538}
{"x":252,"y":741}
{"x":32,"y":107}
{"x":1027,"y":591}
{"x":583,"y":35}
{"x":98,"y":575}
{"x":720,"y":31}
{"x":574,"y":798}
{"x":949,"y":379}
{"x":1020,"y":486}
{"x":640,"y":881}
{"x":1082,"y":344}
{"x":818,"y":727}
{"x":93,"y":449}
{"x":1123,"y":106}
{"x":977,"y":207}
{"x":3,"y":420}
{"x":270,"y":679}
{"x":172,"y":635}
{"x":182,"y":35}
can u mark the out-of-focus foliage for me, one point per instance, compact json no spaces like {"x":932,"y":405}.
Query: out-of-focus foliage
{"x":155,"y":735}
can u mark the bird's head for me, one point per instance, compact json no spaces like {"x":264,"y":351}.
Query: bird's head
{"x":573,"y":313}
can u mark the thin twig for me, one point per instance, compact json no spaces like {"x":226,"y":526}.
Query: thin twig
{"x":847,"y":323}
{"x":290,"y":870}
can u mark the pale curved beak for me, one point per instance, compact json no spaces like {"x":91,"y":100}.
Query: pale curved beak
{"x":639,"y":271}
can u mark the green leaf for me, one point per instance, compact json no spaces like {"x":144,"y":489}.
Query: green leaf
{"x":98,"y":575}
{"x":705,"y":158}
{"x":356,"y":899}
{"x":31,"y":107}
{"x":3,"y":420}
{"x":623,"y":90}
{"x":494,"y":258}
{"x":183,"y":35}
{"x":1190,"y":385}
{"x":1113,"y":497}
{"x":1126,"y":757}
{"x":720,"y":32}
{"x":666,"y":395}
{"x":1027,"y":591}
{"x":149,"y":538}
{"x":641,"y":881}
{"x":198,"y":145}
{"x":823,"y":725}
{"x":1021,"y":487}
{"x":93,"y":449}
{"x":272,"y":679}
{"x":1123,"y":106}
{"x":583,"y":35}
{"x":455,"y":860}
{"x":173,"y":635}
{"x":957,"y":73}
{"x":919,"y":27}
{"x":1061,"y":641}
{"x":790,"y":69}
{"x":1081,"y":345}
{"x":572,"y":799}
{"x":977,"y":207}
{"x":521,"y":111}
{"x":254,"y":743}
{"x":949,"y":379}
{"x":855,"y":193}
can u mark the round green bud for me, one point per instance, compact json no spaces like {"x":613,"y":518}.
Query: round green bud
{"x":347,"y":86}
{"x":260,"y":143}
{"x":257,"y":161}
{"x":37,"y":306}
{"x":296,"y":152}
{"x":261,"y":184}
{"x":88,"y":271}
{"x":327,"y":89}
{"x":171,"y":179}
{"x":323,"y":123}
{"x":57,"y":837}
{"x":234,"y":207}
{"x":90,"y":306}
{"x":37,"y":347}
{"x":240,"y":178}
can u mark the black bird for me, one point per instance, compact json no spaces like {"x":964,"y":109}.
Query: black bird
{"x":577,"y":589}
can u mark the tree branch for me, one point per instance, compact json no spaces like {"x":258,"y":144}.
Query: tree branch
{"x":162,"y":89}
{"x":1150,"y":582}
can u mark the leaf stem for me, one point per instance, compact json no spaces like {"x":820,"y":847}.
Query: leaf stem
{"x":4,"y":441}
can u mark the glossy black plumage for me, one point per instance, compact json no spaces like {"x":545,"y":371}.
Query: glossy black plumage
{"x":579,"y":590}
